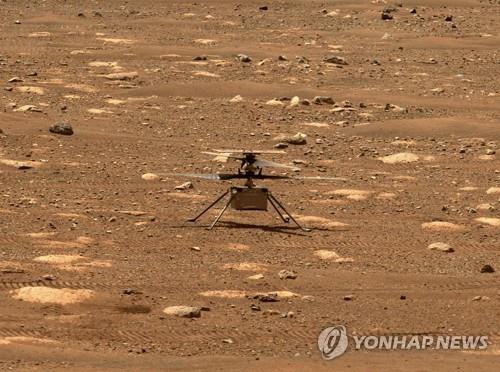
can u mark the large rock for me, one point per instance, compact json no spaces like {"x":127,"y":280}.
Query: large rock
{"x":183,"y":311}
{"x":61,"y":128}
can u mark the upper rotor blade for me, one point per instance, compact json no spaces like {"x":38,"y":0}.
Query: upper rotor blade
{"x":267,"y":163}
{"x":223,"y":155}
{"x":256,"y":152}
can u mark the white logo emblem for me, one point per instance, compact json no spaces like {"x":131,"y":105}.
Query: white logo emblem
{"x":332,"y":342}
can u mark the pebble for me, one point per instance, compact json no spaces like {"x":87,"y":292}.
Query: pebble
{"x":236,"y":99}
{"x":348,"y":297}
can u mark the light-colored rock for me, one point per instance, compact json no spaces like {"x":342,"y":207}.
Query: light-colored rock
{"x":275,"y":102}
{"x":442,"y":226}
{"x":122,"y":76}
{"x":402,"y":157}
{"x":58,"y":259}
{"x":150,"y":177}
{"x":493,"y":190}
{"x":297,"y":139}
{"x":489,"y":221}
{"x":246,"y":266}
{"x":256,"y":277}
{"x":184,"y":186}
{"x":30,"y":90}
{"x":442,"y":247}
{"x":63,"y":296}
{"x":236,"y":99}
{"x":295,"y":101}
{"x":183,"y":311}
{"x":20,"y":164}
{"x":30,"y":108}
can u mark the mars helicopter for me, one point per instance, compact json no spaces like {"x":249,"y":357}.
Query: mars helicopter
{"x":248,"y":197}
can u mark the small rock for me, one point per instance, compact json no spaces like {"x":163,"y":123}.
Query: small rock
{"x":64,"y":129}
{"x":275,"y":102}
{"x":184,"y":186}
{"x":236,"y":99}
{"x":336,"y":60}
{"x":150,"y":177}
{"x":294,"y":102}
{"x":282,"y":58}
{"x":487,"y":269}
{"x":183,"y":311}
{"x":256,"y":277}
{"x":255,"y":307}
{"x":200,"y":58}
{"x":348,"y":297}
{"x":228,"y":341}
{"x":443,"y":247}
{"x":480,"y":298}
{"x":386,"y":16}
{"x":197,"y":249}
{"x":26,"y":108}
{"x":490,"y":152}
{"x":449,"y":18}
{"x":16,"y":80}
{"x":243,"y":58}
{"x":265,"y":297}
{"x":308,"y":298}
{"x":323,"y":99}
{"x":122,"y":76}
{"x":263,"y":7}
{"x":287,"y":274}
{"x":281,"y":145}
{"x":297,"y":139}
{"x":131,"y":291}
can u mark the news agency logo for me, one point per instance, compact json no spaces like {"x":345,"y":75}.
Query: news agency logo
{"x":333,"y":342}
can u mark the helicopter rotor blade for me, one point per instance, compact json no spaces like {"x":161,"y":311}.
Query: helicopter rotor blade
{"x":206,"y":176}
{"x":319,"y":178}
{"x":255,"y":152}
{"x":267,"y":163}
{"x":223,"y":155}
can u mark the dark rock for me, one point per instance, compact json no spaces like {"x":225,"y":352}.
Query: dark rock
{"x":487,"y":269}
{"x":200,"y":58}
{"x":336,"y":60}
{"x":263,"y":7}
{"x":449,"y":18}
{"x":243,"y":58}
{"x":61,"y":128}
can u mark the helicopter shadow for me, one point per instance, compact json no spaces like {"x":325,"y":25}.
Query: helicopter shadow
{"x":289,"y":230}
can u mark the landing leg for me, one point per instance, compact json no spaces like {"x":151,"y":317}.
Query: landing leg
{"x":207,"y":208}
{"x":285,"y":219}
{"x":273,"y":199}
{"x":221,"y":213}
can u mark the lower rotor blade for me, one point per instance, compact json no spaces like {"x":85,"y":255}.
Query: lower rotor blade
{"x":206,"y":176}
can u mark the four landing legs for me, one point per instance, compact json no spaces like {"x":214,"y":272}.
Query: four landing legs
{"x":275,"y":203}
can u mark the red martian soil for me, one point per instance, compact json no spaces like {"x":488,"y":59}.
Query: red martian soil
{"x":403,"y":115}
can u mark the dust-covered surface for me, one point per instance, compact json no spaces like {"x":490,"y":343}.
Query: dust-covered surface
{"x":404,"y":113}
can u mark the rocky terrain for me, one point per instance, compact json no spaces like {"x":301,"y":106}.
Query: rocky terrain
{"x":397,"y":102}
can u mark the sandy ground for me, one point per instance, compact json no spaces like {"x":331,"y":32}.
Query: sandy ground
{"x":91,"y":253}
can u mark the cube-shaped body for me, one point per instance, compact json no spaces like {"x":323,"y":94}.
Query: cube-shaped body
{"x":249,"y":198}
